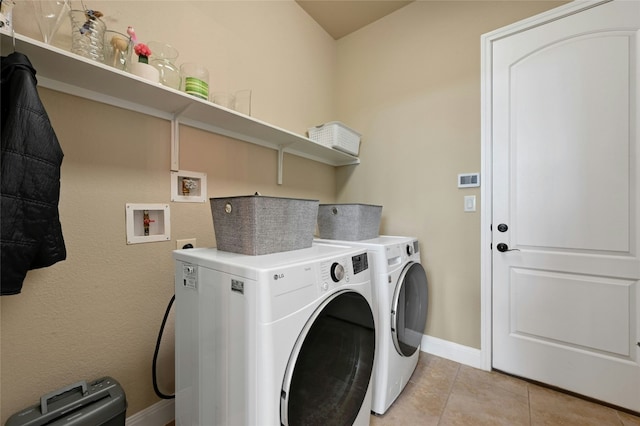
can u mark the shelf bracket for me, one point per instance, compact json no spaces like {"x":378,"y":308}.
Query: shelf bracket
{"x":175,"y":139}
{"x":175,"y":144}
{"x":280,"y":163}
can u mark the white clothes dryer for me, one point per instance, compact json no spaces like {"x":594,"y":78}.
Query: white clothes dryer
{"x":280,"y":339}
{"x":400,"y":295}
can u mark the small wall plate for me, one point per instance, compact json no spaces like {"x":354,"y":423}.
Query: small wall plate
{"x":188,"y":187}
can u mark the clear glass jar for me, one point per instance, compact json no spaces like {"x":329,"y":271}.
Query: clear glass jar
{"x":117,"y":49}
{"x":87,"y":35}
{"x":163,"y":58}
{"x":195,"y":80}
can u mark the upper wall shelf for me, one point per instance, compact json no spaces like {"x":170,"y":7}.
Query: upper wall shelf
{"x":63,"y":71}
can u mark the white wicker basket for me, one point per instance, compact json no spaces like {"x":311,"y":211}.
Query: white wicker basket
{"x":336,"y":135}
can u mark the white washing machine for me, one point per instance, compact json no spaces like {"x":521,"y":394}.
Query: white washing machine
{"x":400,"y":294}
{"x":280,"y":339}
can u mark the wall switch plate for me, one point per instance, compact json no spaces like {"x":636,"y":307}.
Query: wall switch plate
{"x":469,"y":203}
{"x":181,"y":243}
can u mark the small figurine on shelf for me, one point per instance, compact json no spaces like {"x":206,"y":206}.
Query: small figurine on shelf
{"x":142,"y":68}
{"x":91,"y":15}
{"x":132,"y":34}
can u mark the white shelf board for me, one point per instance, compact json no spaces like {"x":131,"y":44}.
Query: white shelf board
{"x":63,"y":71}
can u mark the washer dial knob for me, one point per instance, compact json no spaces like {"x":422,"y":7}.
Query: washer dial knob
{"x":337,"y":272}
{"x":409,"y":249}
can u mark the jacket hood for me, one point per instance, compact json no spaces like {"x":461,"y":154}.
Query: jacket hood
{"x":16,"y":61}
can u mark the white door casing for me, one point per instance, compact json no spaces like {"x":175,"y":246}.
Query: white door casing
{"x":560,"y":165}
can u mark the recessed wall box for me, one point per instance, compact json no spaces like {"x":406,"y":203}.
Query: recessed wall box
{"x":147,"y":223}
{"x":188,"y":187}
{"x":468,"y":180}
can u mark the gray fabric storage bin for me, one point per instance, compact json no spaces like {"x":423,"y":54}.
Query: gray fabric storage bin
{"x":256,"y":225}
{"x":349,"y":222}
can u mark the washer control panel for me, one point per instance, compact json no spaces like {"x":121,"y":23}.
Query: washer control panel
{"x":342,"y":270}
{"x":334,"y":271}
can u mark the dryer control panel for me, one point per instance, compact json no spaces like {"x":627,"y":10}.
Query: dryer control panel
{"x":397,"y":253}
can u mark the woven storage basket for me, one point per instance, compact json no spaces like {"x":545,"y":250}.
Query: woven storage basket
{"x":336,"y":135}
{"x":350,"y":222}
{"x":256,"y":224}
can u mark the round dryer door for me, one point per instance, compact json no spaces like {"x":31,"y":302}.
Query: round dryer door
{"x":409,"y":309}
{"x":329,"y":370}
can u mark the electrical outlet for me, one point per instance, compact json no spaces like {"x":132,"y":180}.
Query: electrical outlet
{"x":180,"y":244}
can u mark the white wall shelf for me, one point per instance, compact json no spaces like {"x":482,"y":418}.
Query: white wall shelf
{"x":66,"y":72}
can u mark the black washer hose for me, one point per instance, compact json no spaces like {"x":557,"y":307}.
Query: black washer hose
{"x":155,"y":354}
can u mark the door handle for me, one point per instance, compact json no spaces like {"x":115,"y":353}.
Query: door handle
{"x":502,"y":247}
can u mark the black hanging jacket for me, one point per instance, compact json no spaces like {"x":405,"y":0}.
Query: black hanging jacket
{"x":31,"y":234}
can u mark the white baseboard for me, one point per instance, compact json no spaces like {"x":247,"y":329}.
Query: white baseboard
{"x":158,"y":414}
{"x":452,"y":351}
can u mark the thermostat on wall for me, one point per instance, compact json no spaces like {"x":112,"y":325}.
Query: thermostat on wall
{"x":468,"y":180}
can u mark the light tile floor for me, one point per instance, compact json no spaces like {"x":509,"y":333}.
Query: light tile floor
{"x":445,"y":393}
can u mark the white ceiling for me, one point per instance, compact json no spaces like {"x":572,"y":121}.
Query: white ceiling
{"x":342,"y":17}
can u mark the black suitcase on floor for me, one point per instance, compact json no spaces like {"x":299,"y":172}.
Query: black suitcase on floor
{"x":99,"y":403}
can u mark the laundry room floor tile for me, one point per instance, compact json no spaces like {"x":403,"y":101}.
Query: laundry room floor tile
{"x":549,"y":407}
{"x":445,"y":393}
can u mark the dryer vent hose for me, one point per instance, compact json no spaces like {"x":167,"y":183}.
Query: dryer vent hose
{"x":155,"y":354}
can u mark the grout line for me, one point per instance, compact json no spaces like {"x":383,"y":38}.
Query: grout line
{"x":619,"y":418}
{"x":453,"y":383}
{"x":529,"y":402}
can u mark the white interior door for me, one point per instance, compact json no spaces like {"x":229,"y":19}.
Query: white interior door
{"x":565,"y":196}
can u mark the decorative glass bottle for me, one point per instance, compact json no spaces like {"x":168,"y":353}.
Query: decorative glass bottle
{"x":49,"y":15}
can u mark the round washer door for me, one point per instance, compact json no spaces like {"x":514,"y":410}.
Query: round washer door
{"x":329,"y":370}
{"x":409,"y":309}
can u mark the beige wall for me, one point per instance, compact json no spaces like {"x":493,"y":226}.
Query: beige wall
{"x":411,"y":84}
{"x":98,"y":312}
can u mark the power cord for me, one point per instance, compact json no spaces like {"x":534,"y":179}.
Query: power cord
{"x":160,"y":333}
{"x":155,"y":354}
